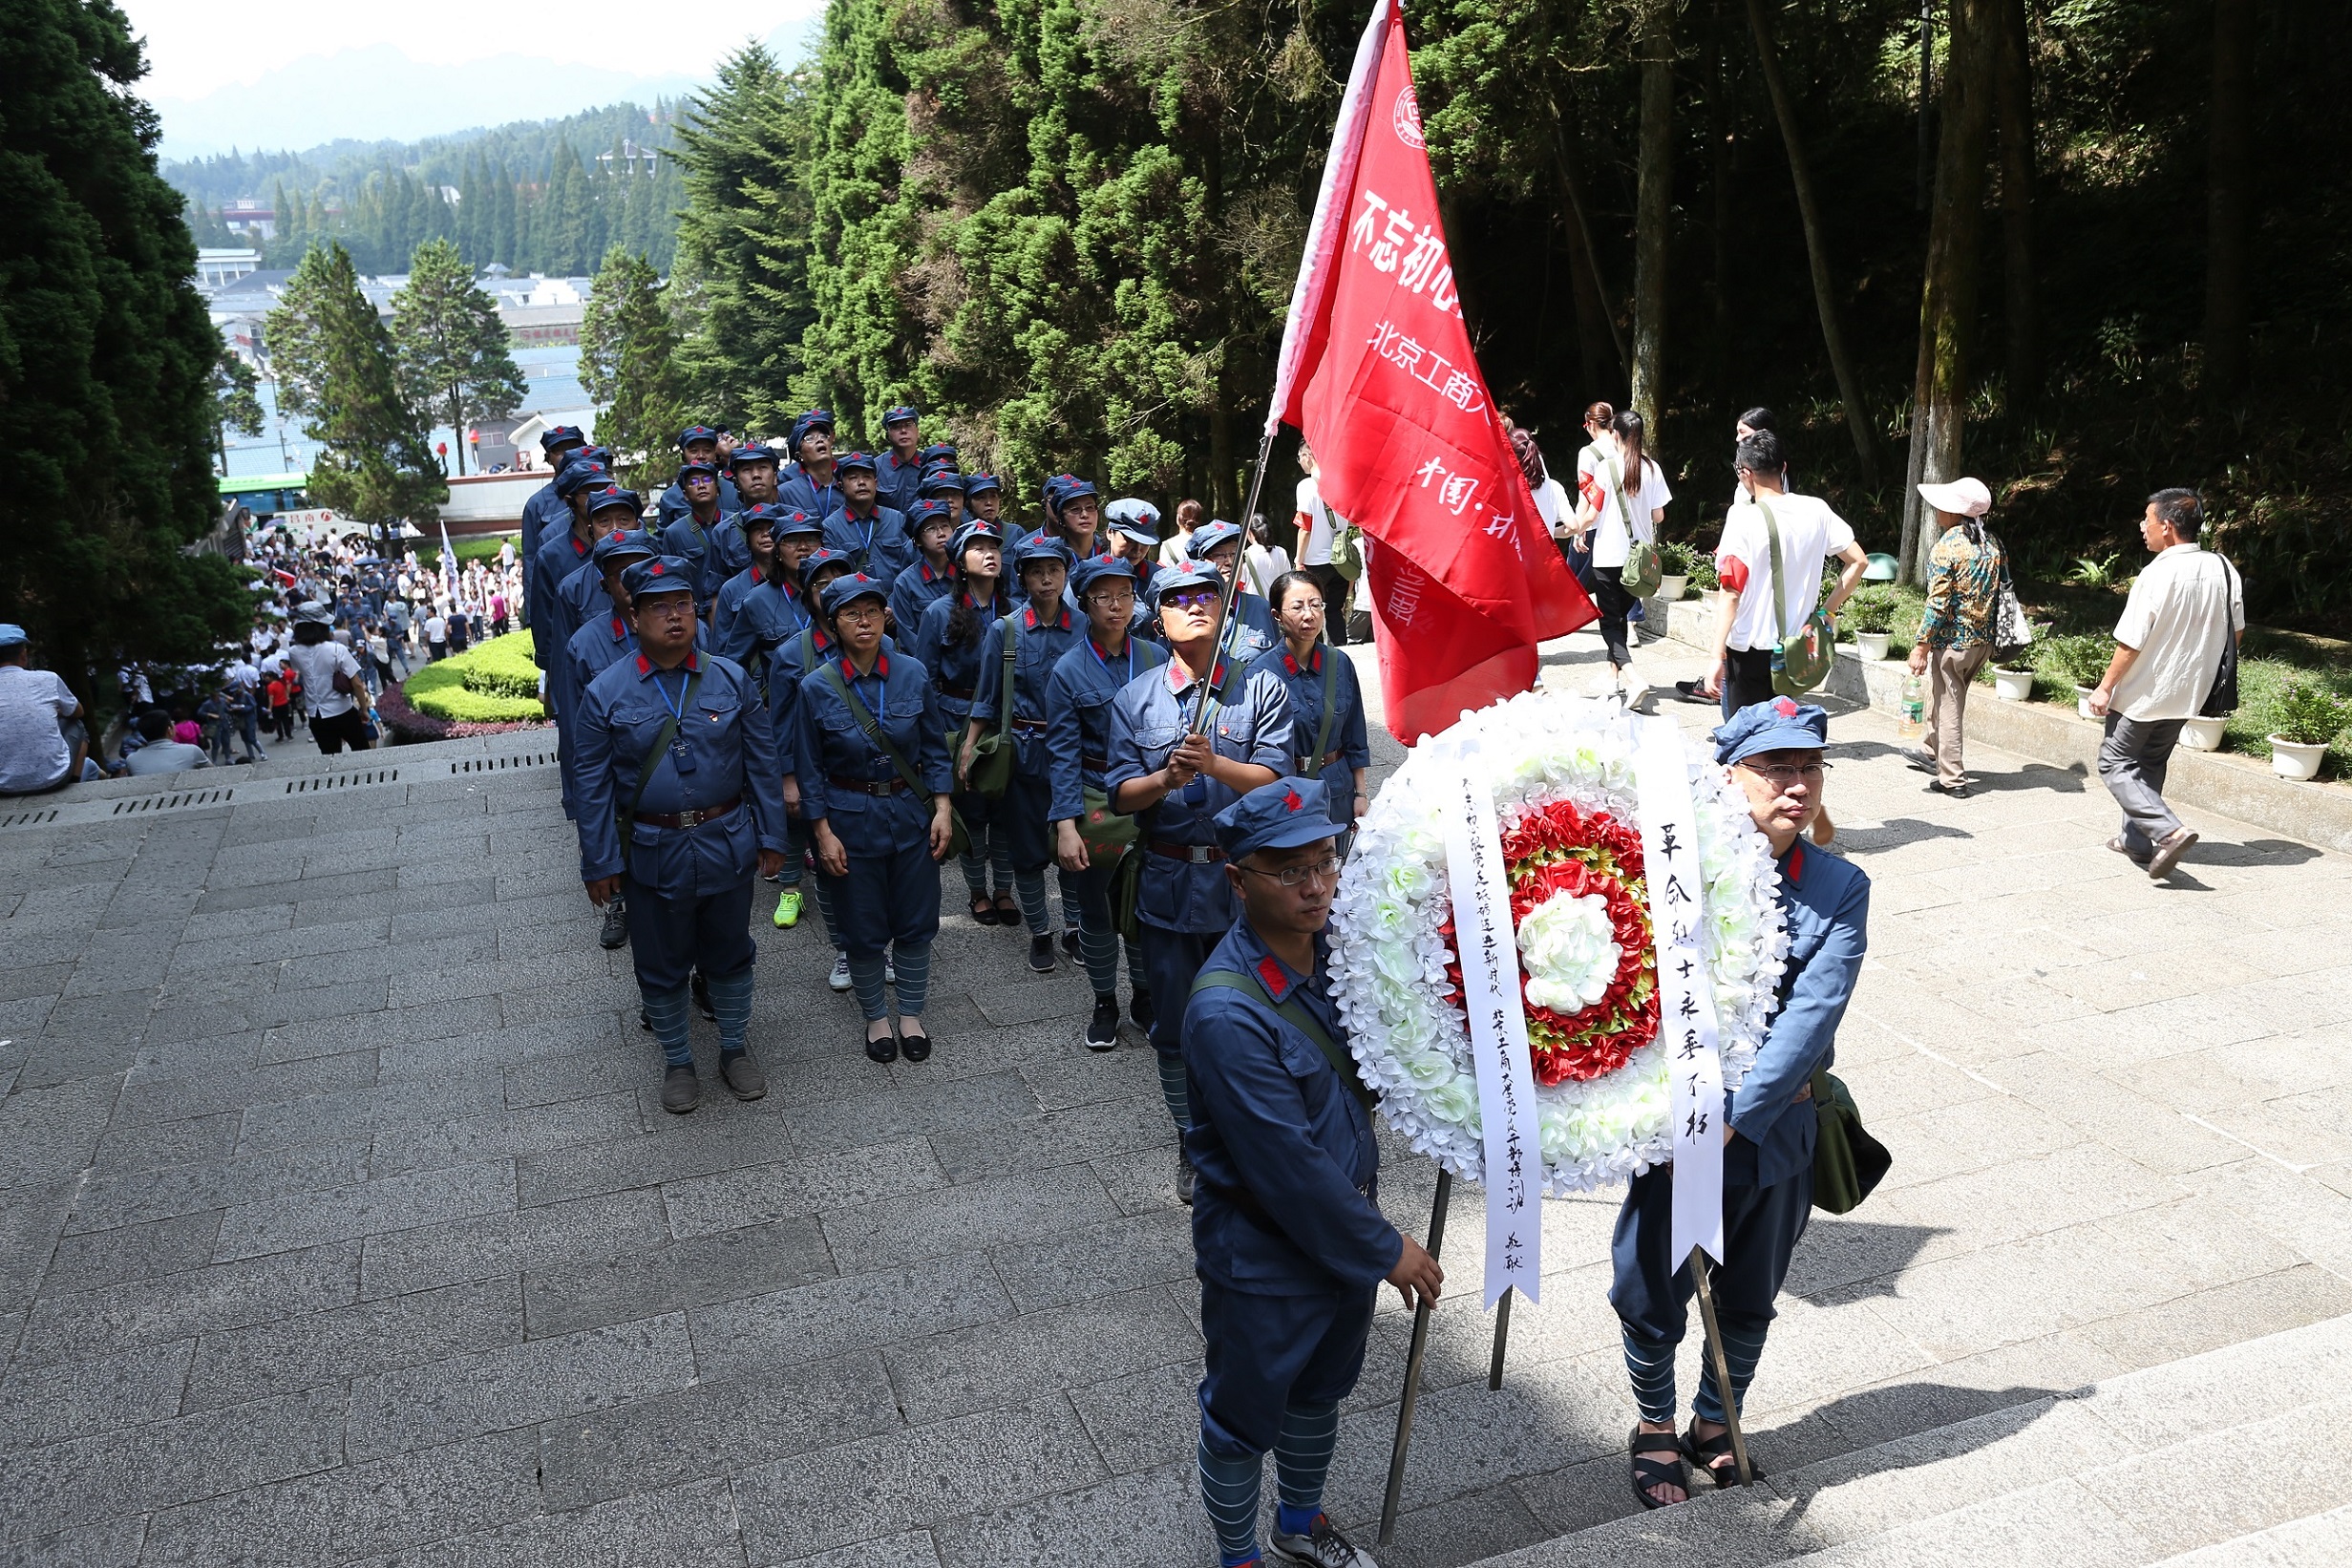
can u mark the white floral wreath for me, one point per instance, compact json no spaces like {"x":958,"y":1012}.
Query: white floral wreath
{"x":1391,"y":948}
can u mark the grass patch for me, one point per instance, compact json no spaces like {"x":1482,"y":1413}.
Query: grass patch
{"x":474,"y":547}
{"x":490,"y":683}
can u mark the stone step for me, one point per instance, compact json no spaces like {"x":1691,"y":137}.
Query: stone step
{"x":2132,"y":1471}
{"x":2324,"y":1541}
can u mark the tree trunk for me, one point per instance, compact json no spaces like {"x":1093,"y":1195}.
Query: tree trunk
{"x":1817,"y":249}
{"x":2228,"y":199}
{"x":456,"y":429}
{"x":1721,"y":132}
{"x":1596,"y":322}
{"x":1653,"y":211}
{"x":1948,"y":293}
{"x":2020,"y":300}
{"x":1224,"y":496}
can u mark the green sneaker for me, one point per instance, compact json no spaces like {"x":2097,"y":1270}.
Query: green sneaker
{"x":788,"y":909}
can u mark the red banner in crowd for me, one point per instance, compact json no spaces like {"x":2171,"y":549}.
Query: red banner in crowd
{"x":1377,"y":370}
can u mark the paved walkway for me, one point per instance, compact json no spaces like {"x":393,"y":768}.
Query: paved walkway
{"x":340,"y":1223}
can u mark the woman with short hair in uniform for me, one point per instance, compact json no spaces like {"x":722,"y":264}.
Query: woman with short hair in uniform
{"x":1326,"y":702}
{"x":947,"y":642}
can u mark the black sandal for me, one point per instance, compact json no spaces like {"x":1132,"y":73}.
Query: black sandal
{"x":1718,"y":1447}
{"x":1649,"y":1472}
{"x":983,"y":909}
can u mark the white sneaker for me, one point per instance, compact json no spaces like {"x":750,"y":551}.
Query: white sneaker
{"x":839,"y":980}
{"x":1322,"y":1547}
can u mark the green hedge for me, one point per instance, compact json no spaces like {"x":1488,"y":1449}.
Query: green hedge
{"x":491,"y":683}
{"x":473,"y":547}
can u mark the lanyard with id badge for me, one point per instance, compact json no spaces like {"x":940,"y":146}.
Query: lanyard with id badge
{"x":681,"y":754}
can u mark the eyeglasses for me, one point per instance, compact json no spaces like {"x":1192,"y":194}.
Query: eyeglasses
{"x":1783,"y":775}
{"x":1312,"y":607}
{"x":1193,"y":598}
{"x":1326,"y":869}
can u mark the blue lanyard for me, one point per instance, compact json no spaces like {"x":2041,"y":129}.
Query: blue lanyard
{"x":800,"y":617}
{"x":677,"y":710}
{"x":881,"y":686}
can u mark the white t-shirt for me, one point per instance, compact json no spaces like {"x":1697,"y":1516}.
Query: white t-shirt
{"x":2179,"y":614}
{"x":1611,"y":543}
{"x":436,"y":628}
{"x":1265,"y":564}
{"x":1809,"y":534}
{"x":1314,"y":525}
{"x":1553,"y":505}
{"x":318,"y":664}
{"x":32,"y":750}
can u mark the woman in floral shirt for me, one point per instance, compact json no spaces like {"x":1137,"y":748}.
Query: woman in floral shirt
{"x":1964,"y":577}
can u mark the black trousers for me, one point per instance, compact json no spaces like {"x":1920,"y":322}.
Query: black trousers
{"x":1614,"y":602}
{"x":1746,"y":678}
{"x":1335,"y":589}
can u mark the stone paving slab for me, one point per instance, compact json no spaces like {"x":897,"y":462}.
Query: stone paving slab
{"x":339,"y":1221}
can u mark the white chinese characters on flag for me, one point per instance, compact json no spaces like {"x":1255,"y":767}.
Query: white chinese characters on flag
{"x":1376,"y":369}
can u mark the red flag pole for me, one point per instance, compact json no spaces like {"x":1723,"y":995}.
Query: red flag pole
{"x":1233,"y":589}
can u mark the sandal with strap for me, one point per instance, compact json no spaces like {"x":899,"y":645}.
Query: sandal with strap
{"x":1704,"y":1454}
{"x":983,"y":911}
{"x":1651,"y":1472}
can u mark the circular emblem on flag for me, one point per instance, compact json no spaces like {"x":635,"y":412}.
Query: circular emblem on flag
{"x":1406,"y":116}
{"x":1570,"y":828}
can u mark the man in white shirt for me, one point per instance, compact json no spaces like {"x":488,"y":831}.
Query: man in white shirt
{"x":1317,"y":524}
{"x":36,"y":756}
{"x":1809,"y":534}
{"x":2185,"y":609}
{"x":436,"y":635}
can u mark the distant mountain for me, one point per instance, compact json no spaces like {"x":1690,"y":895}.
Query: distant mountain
{"x":378,"y":95}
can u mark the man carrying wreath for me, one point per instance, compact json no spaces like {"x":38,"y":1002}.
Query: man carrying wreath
{"x":1288,"y":1234}
{"x":1774,"y":751}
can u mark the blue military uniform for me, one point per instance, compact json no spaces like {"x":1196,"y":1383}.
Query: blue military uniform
{"x":889,"y":900}
{"x":875,"y":539}
{"x":1767,"y":1165}
{"x":673,"y":503}
{"x":573,"y":600}
{"x":1038,"y":644}
{"x":898,"y":478}
{"x":578,"y":659}
{"x":1289,"y":1239}
{"x":681,"y":826}
{"x":954,"y":671}
{"x":1345,"y":746}
{"x":919,"y":584}
{"x":559,"y":554}
{"x":799,"y":491}
{"x":1182,"y":901}
{"x":729,"y":602}
{"x":544,"y":511}
{"x":1252,"y":629}
{"x":1086,"y":682}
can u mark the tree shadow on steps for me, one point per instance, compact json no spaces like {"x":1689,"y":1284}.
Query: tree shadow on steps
{"x":1947,"y":1421}
{"x":1841,"y":1259}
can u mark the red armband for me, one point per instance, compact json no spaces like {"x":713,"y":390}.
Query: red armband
{"x":1732,"y":572}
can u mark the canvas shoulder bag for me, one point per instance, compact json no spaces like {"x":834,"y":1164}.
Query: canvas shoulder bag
{"x":1297,"y":1018}
{"x":1642,"y":570}
{"x":1311,"y":766}
{"x":1800,"y":662}
{"x":961,"y":839}
{"x":2222,"y":700}
{"x":992,"y":753}
{"x":1346,"y":554}
{"x":1848,"y":1162}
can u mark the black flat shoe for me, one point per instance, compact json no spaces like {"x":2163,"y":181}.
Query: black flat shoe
{"x":984,"y":913}
{"x":681,"y":1090}
{"x":1007,"y":910}
{"x":915,"y":1047}
{"x":884,"y":1049}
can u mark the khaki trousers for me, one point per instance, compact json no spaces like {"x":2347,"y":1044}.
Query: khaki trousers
{"x":1950,"y":671}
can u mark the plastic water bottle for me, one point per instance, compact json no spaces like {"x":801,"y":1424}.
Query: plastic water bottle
{"x":1910,"y":717}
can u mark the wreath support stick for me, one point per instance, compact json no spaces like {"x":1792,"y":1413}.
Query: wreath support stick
{"x":1502,"y":1341}
{"x":1723,"y":1367}
{"x":1404,"y":1442}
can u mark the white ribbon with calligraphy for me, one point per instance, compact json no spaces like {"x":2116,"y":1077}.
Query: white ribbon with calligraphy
{"x":1488,"y":944}
{"x":1685,"y":997}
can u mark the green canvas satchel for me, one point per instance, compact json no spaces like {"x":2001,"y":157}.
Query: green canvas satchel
{"x":1848,"y":1162}
{"x":1800,"y":662}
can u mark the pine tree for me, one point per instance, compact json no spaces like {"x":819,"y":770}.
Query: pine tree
{"x":335,"y":368}
{"x":106,"y":361}
{"x":453,"y":347}
{"x":236,"y":400}
{"x":629,"y":348}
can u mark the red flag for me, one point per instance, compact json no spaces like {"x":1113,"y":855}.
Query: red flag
{"x":1377,"y":370}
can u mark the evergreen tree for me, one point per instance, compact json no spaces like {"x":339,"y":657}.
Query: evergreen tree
{"x":106,"y":360}
{"x":628,"y":350}
{"x":504,"y":236}
{"x":335,"y":368}
{"x":236,"y":400}
{"x":453,"y":347}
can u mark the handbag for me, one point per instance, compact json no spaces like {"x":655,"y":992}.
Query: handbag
{"x":991,"y":769}
{"x":1643,"y":569}
{"x":2222,"y":699}
{"x":2012,"y":634}
{"x":1802,"y":661}
{"x":1107,"y":834}
{"x":1346,"y":552}
{"x":1848,"y":1162}
{"x":960,"y":838}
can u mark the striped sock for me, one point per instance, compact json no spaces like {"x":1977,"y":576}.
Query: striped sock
{"x":730,"y":998}
{"x":999,"y":854}
{"x":1029,"y":887}
{"x":1229,"y":1491}
{"x":865,"y":978}
{"x":1172,"y":1091}
{"x":1138,"y":973}
{"x":1301,"y":1459}
{"x":667,"y":1009}
{"x":975,"y":872}
{"x":824,"y":908}
{"x":1743,"y":1347}
{"x":913,"y":960}
{"x":1101,"y":951}
{"x":1650,"y":1365}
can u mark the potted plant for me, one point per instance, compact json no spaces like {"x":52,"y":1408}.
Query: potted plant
{"x":2080,"y":660}
{"x":2013,"y":683}
{"x":1870,"y":615}
{"x":2203,"y":734}
{"x":1681,"y":563}
{"x":2310,"y":716}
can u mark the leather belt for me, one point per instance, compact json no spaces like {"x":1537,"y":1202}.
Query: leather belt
{"x":1095,"y":764}
{"x":1030,"y":726}
{"x":1199,"y":855}
{"x":688,"y":819}
{"x":866,"y":786}
{"x":961,"y":694}
{"x":1310,"y":767}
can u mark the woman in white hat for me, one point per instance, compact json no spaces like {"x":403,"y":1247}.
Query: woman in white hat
{"x":1966,"y":573}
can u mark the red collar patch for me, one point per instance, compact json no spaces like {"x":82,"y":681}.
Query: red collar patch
{"x":645,"y":666}
{"x":881,"y":667}
{"x":620,"y":629}
{"x":1270,"y":975}
{"x":1795,"y":868}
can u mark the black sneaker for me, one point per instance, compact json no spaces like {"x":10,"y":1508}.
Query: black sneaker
{"x":681,"y":1091}
{"x":701,"y":999}
{"x":1186,"y":1178}
{"x":1070,"y":943}
{"x":1041,"y":954}
{"x":1140,"y":1008}
{"x":616,"y":931}
{"x":1102,"y":1030}
{"x":743,"y":1076}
